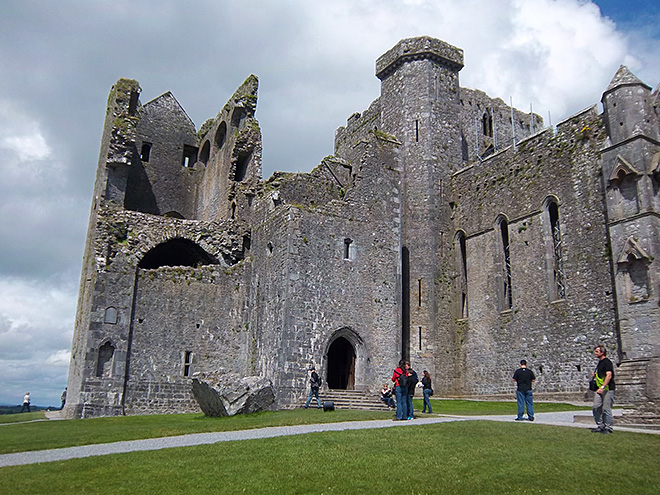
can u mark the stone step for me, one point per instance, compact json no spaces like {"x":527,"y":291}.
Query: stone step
{"x":631,"y":372}
{"x":353,"y":399}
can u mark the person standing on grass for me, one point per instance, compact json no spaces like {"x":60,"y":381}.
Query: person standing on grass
{"x":427,"y":390}
{"x":604,"y":396}
{"x":26,"y":402}
{"x":524,"y":378}
{"x":314,"y":384}
{"x":400,"y":378}
{"x":412,"y":383}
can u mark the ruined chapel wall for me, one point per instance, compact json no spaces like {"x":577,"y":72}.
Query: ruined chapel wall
{"x":556,"y":336}
{"x":497,"y":132}
{"x":358,"y":129}
{"x":186,"y":320}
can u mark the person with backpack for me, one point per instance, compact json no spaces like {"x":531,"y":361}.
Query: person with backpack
{"x":314,"y":385}
{"x":400,"y":379}
{"x":412,"y":384}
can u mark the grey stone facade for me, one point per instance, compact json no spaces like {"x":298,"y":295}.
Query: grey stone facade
{"x":448,"y":228}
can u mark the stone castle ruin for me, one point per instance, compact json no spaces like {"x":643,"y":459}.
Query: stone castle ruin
{"x":448,"y":228}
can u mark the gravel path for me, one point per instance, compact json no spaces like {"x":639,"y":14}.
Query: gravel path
{"x":21,"y":458}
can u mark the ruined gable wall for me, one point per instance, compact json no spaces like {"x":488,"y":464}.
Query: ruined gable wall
{"x":230,"y":156}
{"x":159,"y":181}
{"x":554,"y":336}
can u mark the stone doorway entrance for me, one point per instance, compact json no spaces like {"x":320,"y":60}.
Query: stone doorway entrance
{"x":341,"y":365}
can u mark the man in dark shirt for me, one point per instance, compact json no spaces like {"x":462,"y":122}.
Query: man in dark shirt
{"x":604,"y":396}
{"x":524,"y":378}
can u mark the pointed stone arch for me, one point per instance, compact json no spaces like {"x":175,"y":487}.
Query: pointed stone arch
{"x":622,"y":168}
{"x":633,"y":264}
{"x":345,"y":360}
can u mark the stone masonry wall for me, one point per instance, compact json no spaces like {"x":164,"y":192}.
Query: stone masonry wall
{"x":555,"y":336}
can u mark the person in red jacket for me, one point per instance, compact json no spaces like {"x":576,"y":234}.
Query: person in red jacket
{"x":399,"y":377}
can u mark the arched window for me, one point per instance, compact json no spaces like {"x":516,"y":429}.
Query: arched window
{"x":205,"y":153}
{"x":221,"y":135}
{"x":554,"y":248}
{"x":487,"y":123}
{"x":504,"y":296}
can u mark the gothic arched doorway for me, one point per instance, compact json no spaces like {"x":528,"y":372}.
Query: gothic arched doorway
{"x":341,"y":365}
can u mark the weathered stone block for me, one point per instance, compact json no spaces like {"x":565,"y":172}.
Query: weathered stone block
{"x":229,"y":394}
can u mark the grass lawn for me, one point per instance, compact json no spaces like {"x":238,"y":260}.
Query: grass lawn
{"x":475,"y":457}
{"x":16,"y":418}
{"x":68,"y":433}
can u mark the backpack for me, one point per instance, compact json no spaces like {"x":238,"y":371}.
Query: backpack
{"x":403,"y":379}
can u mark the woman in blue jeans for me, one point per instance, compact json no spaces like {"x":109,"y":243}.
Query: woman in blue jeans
{"x":428,"y":391}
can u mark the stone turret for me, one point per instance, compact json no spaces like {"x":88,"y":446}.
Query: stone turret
{"x":630,"y":163}
{"x":420,"y":106}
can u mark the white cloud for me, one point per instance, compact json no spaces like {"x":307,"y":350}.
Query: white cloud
{"x":36,"y":328}
{"x":59,"y":358}
{"x":21,"y":135}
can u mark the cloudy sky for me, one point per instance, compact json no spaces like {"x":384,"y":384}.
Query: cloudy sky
{"x":315,"y":61}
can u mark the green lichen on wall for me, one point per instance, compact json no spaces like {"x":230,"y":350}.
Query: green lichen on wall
{"x":204,"y":129}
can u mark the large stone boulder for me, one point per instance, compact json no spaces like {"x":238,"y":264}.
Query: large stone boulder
{"x":225,"y":394}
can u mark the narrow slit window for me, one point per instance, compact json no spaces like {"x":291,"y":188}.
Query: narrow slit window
{"x":559,"y":282}
{"x":419,"y":292}
{"x":145,"y":152}
{"x":506,"y":298}
{"x":416,"y":130}
{"x":187,"y":363}
{"x":461,"y":269}
{"x":347,"y":248}
{"x":420,"y":337}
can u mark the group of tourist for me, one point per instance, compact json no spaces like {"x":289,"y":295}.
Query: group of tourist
{"x":405,"y":381}
{"x":603,"y":398}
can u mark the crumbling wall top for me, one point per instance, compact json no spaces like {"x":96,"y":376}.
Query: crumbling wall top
{"x":423,"y":47}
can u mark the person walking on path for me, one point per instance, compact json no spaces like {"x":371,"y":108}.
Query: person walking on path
{"x":427,"y":390}
{"x":314,"y":384}
{"x":400,"y":379}
{"x":26,"y":402}
{"x":524,"y":378}
{"x":604,"y":396}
